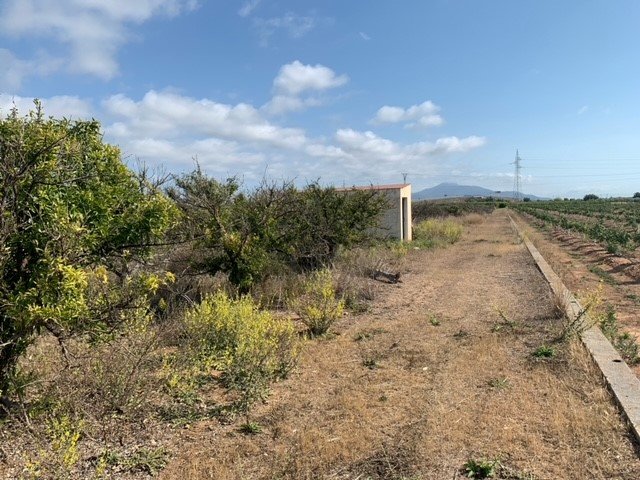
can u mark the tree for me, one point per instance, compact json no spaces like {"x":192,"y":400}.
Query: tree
{"x":636,"y":195}
{"x":329,"y":218}
{"x":73,"y":219}
{"x":235,"y":233}
{"x":247,"y":235}
{"x":591,"y":196}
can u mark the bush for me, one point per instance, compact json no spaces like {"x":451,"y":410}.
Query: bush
{"x":591,"y":196}
{"x":73,"y":216}
{"x":250,"y":346}
{"x":433,"y":233}
{"x":247,"y":235}
{"x":318,"y":306}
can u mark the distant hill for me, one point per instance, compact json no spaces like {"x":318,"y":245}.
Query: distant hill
{"x":453,"y":190}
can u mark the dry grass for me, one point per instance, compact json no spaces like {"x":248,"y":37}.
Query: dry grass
{"x":431,"y":402}
{"x":438,"y":371}
{"x":473,"y":219}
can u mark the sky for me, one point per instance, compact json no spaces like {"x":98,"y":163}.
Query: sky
{"x":350,"y":92}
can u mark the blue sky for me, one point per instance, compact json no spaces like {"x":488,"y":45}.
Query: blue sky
{"x":348,"y":92}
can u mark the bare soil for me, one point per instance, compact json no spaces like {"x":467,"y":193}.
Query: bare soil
{"x":438,"y":372}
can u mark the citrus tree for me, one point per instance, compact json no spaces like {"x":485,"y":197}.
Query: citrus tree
{"x":73,"y":219}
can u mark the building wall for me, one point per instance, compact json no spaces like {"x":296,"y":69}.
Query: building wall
{"x":391,"y":223}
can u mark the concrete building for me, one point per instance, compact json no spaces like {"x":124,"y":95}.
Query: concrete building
{"x":396,"y":221}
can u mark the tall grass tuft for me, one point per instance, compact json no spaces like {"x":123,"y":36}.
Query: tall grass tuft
{"x":437,"y":233}
{"x":319,"y":306}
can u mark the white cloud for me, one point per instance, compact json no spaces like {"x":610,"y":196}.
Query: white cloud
{"x":370,"y":145}
{"x":12,"y":71}
{"x":58,"y":106}
{"x":167,"y":127}
{"x":425,"y":114}
{"x":295,"y":79}
{"x":92,"y":30}
{"x":294,"y":25}
{"x":281,"y":104}
{"x":388,"y":114}
{"x":583,"y":109}
{"x":168,"y":115}
{"x":217,"y":156}
{"x":248,"y":7}
{"x":364,"y":36}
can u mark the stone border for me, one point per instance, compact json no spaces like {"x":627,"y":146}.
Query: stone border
{"x":622,"y":382}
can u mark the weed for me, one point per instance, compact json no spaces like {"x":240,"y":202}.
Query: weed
{"x":460,"y":334}
{"x":503,"y":315}
{"x":107,"y":458}
{"x":251,"y":428}
{"x":505,"y":323}
{"x":613,"y":248}
{"x":147,"y":460}
{"x":499,"y":326}
{"x":319,"y":306}
{"x":481,"y":468}
{"x":499,"y":383}
{"x":368,"y":334}
{"x":605,"y":276}
{"x":355,"y":306}
{"x":251,"y":347}
{"x":634,"y":298}
{"x":627,"y":346}
{"x":59,"y":453}
{"x":370,"y":362}
{"x":582,"y":321}
{"x":433,"y":320}
{"x":544,"y":351}
{"x":625,"y":343}
{"x":436,"y":233}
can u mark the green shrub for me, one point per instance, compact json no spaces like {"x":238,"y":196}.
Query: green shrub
{"x":71,"y":209}
{"x":544,"y":351}
{"x":433,"y":233}
{"x":318,"y":306}
{"x":481,"y":468}
{"x":251,"y":347}
{"x":247,"y":235}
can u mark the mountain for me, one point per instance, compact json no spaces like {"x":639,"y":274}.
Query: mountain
{"x":453,"y":190}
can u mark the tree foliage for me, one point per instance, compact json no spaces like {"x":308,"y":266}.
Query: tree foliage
{"x":73,"y":218}
{"x":248,"y":234}
{"x":591,"y":196}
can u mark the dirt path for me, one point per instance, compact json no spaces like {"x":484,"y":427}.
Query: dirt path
{"x":440,"y":371}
